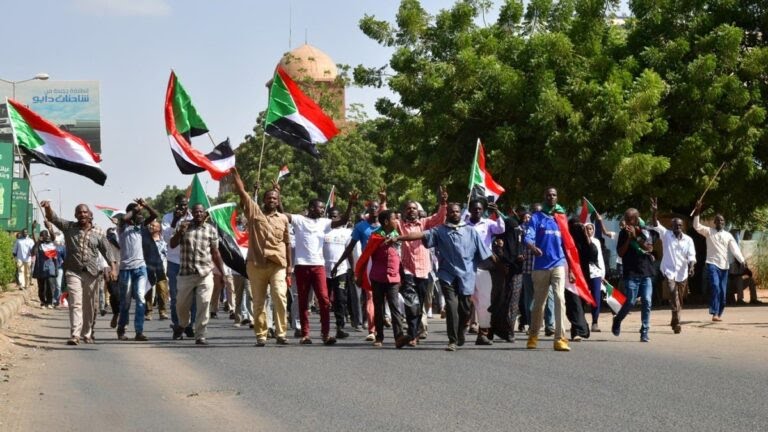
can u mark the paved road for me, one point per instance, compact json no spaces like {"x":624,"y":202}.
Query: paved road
{"x":712,"y":377}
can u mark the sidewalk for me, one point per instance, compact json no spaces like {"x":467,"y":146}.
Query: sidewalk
{"x":11,"y":302}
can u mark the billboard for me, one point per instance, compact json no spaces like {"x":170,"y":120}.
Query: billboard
{"x":19,"y":207}
{"x":71,"y":105}
{"x":6,"y":178}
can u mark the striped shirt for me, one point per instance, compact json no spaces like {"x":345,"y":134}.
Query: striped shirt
{"x":415,"y":257}
{"x":195,"y":249}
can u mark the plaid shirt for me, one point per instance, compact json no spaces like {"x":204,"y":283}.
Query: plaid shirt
{"x":195,"y":248}
{"x":83,"y":247}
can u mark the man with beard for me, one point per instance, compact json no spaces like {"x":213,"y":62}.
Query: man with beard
{"x":198,"y":244}
{"x":459,"y":249}
{"x":486,"y":229}
{"x":269,"y":260}
{"x":132,"y":281}
{"x":84,"y":242}
{"x":309,"y":232}
{"x":416,"y":261}
{"x":677,"y":263}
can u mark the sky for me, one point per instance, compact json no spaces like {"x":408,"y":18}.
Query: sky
{"x":223,"y":51}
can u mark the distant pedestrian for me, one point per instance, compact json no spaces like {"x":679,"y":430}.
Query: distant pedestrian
{"x":22,"y":252}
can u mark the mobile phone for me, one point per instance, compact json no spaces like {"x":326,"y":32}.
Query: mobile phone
{"x":491,"y":199}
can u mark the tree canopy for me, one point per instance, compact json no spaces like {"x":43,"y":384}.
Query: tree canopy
{"x":562,"y":94}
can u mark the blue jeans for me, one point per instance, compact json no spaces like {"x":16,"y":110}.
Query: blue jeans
{"x":172,"y":272}
{"x":549,"y":310}
{"x":634,"y":287}
{"x":718,"y":284}
{"x":132,"y":284}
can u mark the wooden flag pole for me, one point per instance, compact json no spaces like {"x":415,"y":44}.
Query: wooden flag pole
{"x":709,"y":186}
{"x":261,"y":155}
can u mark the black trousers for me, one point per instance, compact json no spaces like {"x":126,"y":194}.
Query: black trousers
{"x":574,"y":310}
{"x":45,"y":288}
{"x":353,"y":301}
{"x":114,"y":297}
{"x":413,"y":312}
{"x":457,"y":309}
{"x":381,"y":292}
{"x":337,"y":289}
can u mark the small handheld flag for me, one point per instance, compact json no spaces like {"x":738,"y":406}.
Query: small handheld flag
{"x":284,"y":172}
{"x":481,"y":184}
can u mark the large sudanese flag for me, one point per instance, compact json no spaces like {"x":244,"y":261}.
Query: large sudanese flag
{"x":294,"y":117}
{"x":481,"y":184}
{"x":52,"y":146}
{"x":182,"y":122}
{"x":233,"y":243}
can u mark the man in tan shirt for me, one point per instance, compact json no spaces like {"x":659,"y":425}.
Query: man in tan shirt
{"x":269,"y":256}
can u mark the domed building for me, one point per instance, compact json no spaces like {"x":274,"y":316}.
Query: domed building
{"x":317,"y":73}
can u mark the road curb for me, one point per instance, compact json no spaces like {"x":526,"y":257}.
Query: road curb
{"x":11,"y":303}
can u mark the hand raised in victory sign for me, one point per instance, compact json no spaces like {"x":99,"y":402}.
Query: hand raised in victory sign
{"x":383,"y":194}
{"x":654,"y":204}
{"x":443,"y":195}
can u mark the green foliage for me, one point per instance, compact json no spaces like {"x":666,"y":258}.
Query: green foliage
{"x":7,"y":263}
{"x":562,"y":96}
{"x":165,"y":201}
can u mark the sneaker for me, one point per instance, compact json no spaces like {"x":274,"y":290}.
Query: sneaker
{"x":549,"y":332}
{"x":533,"y":342}
{"x":429,"y":314}
{"x":595,"y":328}
{"x":576,"y":338}
{"x":113,"y":322}
{"x":483,"y":340}
{"x":644,"y":337}
{"x":189,"y":332}
{"x":329,"y":340}
{"x":281,"y":341}
{"x":201,"y":341}
{"x":341,"y":334}
{"x":451,"y":347}
{"x":371,"y":337}
{"x":261,"y":342}
{"x":616,"y":327}
{"x":562,"y":345}
{"x":140,"y":337}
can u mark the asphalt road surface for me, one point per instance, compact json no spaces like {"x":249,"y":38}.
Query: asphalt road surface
{"x":712,"y":377}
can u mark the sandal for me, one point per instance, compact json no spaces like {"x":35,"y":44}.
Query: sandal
{"x":305,"y":341}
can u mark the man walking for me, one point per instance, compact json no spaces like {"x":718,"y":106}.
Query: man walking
{"x":486,"y":229}
{"x":268,"y":260}
{"x":169,"y":224}
{"x":22,"y":252}
{"x":545,"y":240}
{"x":634,"y":247}
{"x":719,"y":243}
{"x":198,"y":244}
{"x":677,"y":264}
{"x":334,"y":243}
{"x":132,"y":284}
{"x":459,"y":249}
{"x":84,"y":242}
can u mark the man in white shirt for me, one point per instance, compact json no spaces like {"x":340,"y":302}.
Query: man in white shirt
{"x":719,"y":243}
{"x":677,"y":262}
{"x":334,"y":244}
{"x":486,"y":229}
{"x":309,"y":267}
{"x":22,"y":251}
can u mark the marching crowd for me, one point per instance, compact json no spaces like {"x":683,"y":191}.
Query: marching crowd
{"x":487,"y":273}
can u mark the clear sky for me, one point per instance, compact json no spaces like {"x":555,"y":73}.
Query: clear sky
{"x":223,"y":51}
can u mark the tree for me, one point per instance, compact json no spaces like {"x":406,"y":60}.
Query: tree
{"x":563,"y":96}
{"x":165,"y":201}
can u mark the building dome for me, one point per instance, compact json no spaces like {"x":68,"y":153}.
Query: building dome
{"x":307,"y":61}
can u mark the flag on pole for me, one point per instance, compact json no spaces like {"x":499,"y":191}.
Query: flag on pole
{"x":613,"y":297}
{"x":108,"y":211}
{"x":182,"y":122}
{"x":52,"y":146}
{"x":587,"y":209}
{"x":294,"y":118}
{"x":284,"y":172}
{"x":196,"y":194}
{"x":233,"y":243}
{"x":331,"y":203}
{"x":481,"y":184}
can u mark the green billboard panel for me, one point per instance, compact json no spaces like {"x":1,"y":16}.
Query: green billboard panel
{"x":6,"y":178}
{"x":19,"y":206}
